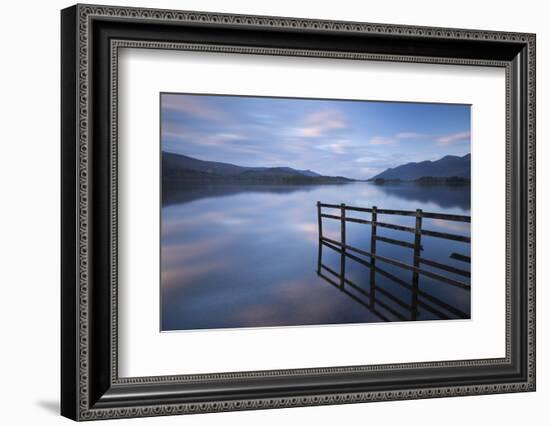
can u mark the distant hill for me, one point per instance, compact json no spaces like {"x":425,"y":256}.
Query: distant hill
{"x":173,"y":163}
{"x":177,"y":167}
{"x":450,"y":166}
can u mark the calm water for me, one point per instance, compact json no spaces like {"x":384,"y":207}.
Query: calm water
{"x":247,"y":256}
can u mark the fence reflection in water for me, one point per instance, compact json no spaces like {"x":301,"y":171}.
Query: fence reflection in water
{"x":382,"y":301}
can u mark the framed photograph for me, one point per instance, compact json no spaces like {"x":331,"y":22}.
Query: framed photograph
{"x":263,"y":212}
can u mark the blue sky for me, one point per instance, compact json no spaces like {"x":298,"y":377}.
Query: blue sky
{"x":356,"y":139}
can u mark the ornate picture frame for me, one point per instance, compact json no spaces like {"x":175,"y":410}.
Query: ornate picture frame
{"x":91,"y":37}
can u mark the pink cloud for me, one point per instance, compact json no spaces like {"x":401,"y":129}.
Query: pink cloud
{"x":381,"y":140}
{"x":322,"y":122}
{"x":460,"y":227}
{"x":192,"y":105}
{"x":182,"y":275}
{"x":454,"y":137}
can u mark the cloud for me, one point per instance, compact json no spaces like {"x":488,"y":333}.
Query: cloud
{"x":320,"y":123}
{"x":410,"y":135}
{"x":336,"y":147}
{"x":197,"y":138}
{"x":231,"y":136}
{"x":453,"y":137}
{"x":381,"y":140}
{"x":392,"y":140}
{"x":196,"y":106}
{"x":175,"y":134}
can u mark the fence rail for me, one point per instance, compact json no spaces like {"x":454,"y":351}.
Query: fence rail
{"x":370,"y":258}
{"x":428,"y":215}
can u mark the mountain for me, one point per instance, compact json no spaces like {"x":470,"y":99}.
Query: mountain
{"x":172,"y":163}
{"x":450,"y":166}
{"x":177,"y":167}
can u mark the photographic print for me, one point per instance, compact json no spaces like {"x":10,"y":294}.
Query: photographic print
{"x":292,"y":212}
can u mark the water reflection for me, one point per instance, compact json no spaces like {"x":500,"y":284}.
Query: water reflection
{"x":185,"y":194}
{"x":234,"y":256}
{"x":444,"y":197}
{"x":384,"y":302}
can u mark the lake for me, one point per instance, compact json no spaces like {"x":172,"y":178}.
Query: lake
{"x":247,"y":256}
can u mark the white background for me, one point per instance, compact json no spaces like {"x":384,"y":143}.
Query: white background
{"x":146,"y":352}
{"x":29,"y":218}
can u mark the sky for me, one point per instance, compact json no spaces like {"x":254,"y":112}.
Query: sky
{"x":355,"y":139}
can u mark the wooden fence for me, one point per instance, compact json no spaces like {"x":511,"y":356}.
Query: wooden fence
{"x":373,"y":260}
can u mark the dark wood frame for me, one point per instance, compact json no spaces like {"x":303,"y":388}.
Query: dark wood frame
{"x":90,"y":386}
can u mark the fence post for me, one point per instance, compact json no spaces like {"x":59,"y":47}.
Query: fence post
{"x":320,"y":249}
{"x":416,"y":263}
{"x":374,"y":218}
{"x":343,"y":246}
